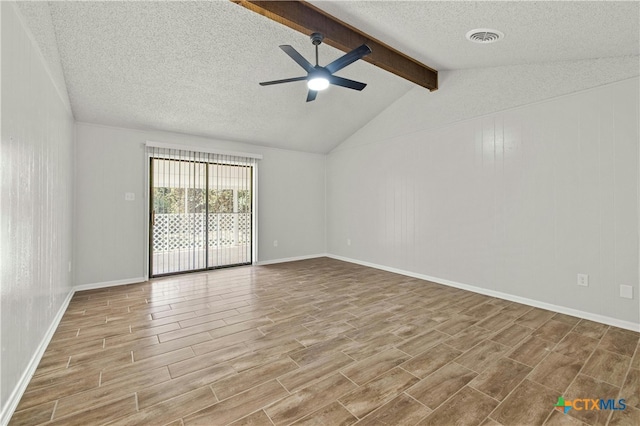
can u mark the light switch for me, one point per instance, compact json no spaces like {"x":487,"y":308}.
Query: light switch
{"x":129,"y":196}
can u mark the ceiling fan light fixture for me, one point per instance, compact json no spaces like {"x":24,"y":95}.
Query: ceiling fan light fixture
{"x":318,"y":83}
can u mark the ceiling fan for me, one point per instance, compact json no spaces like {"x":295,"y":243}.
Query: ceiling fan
{"x":319,"y":78}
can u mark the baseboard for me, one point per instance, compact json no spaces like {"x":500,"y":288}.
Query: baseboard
{"x":106,"y":284}
{"x":500,"y":295}
{"x":290,"y":259}
{"x":18,"y":391}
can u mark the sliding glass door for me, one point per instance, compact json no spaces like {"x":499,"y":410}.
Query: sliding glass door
{"x":201,"y":212}
{"x":229,"y":215}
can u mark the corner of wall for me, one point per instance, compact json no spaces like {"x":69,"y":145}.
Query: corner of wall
{"x":604,"y":319}
{"x":524,"y":198}
{"x":37,"y":156}
{"x":326,"y":221}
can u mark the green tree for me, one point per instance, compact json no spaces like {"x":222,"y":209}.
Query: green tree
{"x":195,"y":200}
{"x":168,"y":200}
{"x":244,"y":201}
{"x":220,"y":201}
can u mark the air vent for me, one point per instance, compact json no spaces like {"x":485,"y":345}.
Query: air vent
{"x":484,"y":35}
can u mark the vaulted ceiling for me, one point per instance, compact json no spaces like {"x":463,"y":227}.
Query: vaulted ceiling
{"x":194,"y":67}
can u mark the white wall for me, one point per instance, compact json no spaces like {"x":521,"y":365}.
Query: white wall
{"x":110,"y":232}
{"x":36,"y":204}
{"x":517,"y":202}
{"x":468,"y":93}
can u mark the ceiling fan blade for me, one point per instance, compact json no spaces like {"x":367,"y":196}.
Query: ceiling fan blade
{"x":311,"y":96}
{"x":345,"y":82}
{"x":286,"y":80}
{"x":348,"y":58}
{"x":293,"y":53}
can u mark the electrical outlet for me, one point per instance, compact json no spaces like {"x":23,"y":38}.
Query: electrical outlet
{"x":583,"y":280}
{"x":129,"y":196}
{"x":275,"y":243}
{"x":69,"y":266}
{"x":348,"y":241}
{"x":626,"y":291}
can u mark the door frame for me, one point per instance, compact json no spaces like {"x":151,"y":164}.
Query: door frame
{"x":147,"y":196}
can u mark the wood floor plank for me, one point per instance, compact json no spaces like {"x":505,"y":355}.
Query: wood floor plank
{"x":535,"y":318}
{"x":247,"y":379}
{"x":237,"y":328}
{"x":377,"y":392}
{"x":32,"y":398}
{"x":441,"y":385}
{"x":238,"y":406}
{"x":607,"y":366}
{"x":468,"y":338}
{"x":422,"y":342}
{"x":171,"y":409}
{"x":55,"y":361}
{"x":321,"y":342}
{"x":140,"y":334}
{"x":306,"y":400}
{"x":528,"y":403}
{"x":150,"y":395}
{"x":467,"y":407}
{"x":170,"y":346}
{"x":206,"y":360}
{"x":189,"y":331}
{"x":312,"y":353}
{"x":402,"y":410}
{"x":211,"y":345}
{"x":100,"y":395}
{"x":318,"y":369}
{"x":430,"y":360}
{"x":99,"y":414}
{"x":102,"y":359}
{"x":531,"y":351}
{"x":149,"y":323}
{"x":194,"y":319}
{"x":501,"y":378}
{"x":147,"y":364}
{"x":482,"y":355}
{"x":258,"y":418}
{"x":331,"y":414}
{"x":262,"y":356}
{"x":622,"y":342}
{"x":363,"y":371}
{"x":362,"y":350}
{"x":77,"y":345}
{"x":66,"y":375}
{"x":556,"y":372}
{"x":34,"y":415}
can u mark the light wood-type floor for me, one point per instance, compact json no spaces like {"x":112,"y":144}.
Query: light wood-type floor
{"x":323,"y":342}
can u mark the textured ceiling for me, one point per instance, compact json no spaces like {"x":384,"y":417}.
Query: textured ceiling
{"x":38,"y":19}
{"x":540,"y":31}
{"x":194,"y":67}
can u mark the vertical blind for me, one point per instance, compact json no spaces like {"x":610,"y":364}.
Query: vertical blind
{"x":201,"y":210}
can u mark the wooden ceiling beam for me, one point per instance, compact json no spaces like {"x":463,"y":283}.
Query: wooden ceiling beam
{"x":307,"y":19}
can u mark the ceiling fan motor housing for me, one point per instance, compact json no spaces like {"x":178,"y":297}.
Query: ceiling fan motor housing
{"x":316,"y":38}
